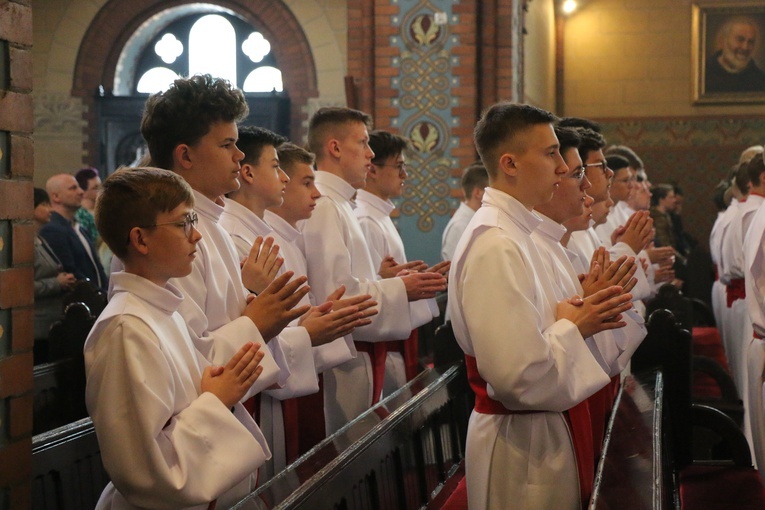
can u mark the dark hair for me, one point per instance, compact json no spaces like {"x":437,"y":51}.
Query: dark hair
{"x":741,"y":178}
{"x":754,"y":169}
{"x":501,"y":124}
{"x":83,"y":175}
{"x":474,"y":176}
{"x":626,"y":152}
{"x":385,"y":145}
{"x":291,"y":154}
{"x":132,"y":197}
{"x":41,"y":196}
{"x":329,"y":117}
{"x":253,"y":139}
{"x":718,"y":196}
{"x":591,"y":141}
{"x":660,"y":192}
{"x":568,"y":138}
{"x":578,"y":122}
{"x":616,"y":162}
{"x":184,"y":113}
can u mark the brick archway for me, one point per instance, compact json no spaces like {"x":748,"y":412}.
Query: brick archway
{"x":117,"y":20}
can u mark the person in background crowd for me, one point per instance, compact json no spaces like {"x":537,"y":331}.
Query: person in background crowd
{"x":474,"y":181}
{"x":51,"y":281}
{"x":90,"y":183}
{"x":71,"y":245}
{"x":662,"y":202}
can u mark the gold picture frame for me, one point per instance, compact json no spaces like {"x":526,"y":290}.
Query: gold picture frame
{"x":728,"y":51}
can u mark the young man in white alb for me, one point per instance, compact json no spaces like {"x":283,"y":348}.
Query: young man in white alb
{"x":526,"y":354}
{"x":474,"y":180}
{"x":262,"y":185}
{"x":337,"y":255}
{"x":385,"y":180}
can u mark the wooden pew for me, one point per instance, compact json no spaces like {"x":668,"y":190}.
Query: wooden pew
{"x":60,"y":385}
{"x":402,"y":454}
{"x":59,"y":396}
{"x":632,"y":472}
{"x":399,"y":455}
{"x":705,"y":459}
{"x":66,"y":468}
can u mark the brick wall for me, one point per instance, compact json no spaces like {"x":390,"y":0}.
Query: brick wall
{"x":426,"y":71}
{"x":16,"y":253}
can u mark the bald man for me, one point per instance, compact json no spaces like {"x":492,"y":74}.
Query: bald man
{"x":73,"y":248}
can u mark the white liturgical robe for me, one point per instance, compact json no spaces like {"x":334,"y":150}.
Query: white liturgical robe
{"x":454,"y":229}
{"x":337,"y":254}
{"x":384,"y":240}
{"x":614,"y":348}
{"x":754,"y":262}
{"x":738,"y":326}
{"x":244,"y":226}
{"x":502,"y":315}
{"x":163,"y":443}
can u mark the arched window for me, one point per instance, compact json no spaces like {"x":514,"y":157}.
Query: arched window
{"x":217,"y":43}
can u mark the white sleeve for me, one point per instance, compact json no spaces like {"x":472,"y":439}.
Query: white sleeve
{"x":642,"y":289}
{"x":526,"y":366}
{"x":614,"y":348}
{"x":334,"y":353}
{"x":330,"y":265}
{"x":375,"y":239}
{"x":452,"y":234}
{"x":298,"y":356}
{"x":156,"y":455}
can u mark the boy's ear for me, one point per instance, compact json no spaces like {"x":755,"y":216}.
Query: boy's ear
{"x":246,"y":173}
{"x":137,"y":241}
{"x":333,"y":147}
{"x":182,"y":156}
{"x":507,"y":165}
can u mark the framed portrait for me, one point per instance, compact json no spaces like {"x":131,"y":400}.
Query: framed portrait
{"x":728,"y":50}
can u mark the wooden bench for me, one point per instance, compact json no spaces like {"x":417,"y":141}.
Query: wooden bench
{"x":399,"y":455}
{"x":59,"y":397}
{"x":702,"y":452}
{"x":66,"y":467}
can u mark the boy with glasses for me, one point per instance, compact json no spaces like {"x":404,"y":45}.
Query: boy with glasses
{"x":170,"y":426}
{"x":385,"y":180}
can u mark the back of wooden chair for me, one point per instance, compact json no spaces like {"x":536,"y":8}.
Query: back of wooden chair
{"x":67,"y":336}
{"x":85,"y":292}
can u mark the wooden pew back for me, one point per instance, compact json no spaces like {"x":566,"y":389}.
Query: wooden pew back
{"x":398,"y":455}
{"x":66,"y":467}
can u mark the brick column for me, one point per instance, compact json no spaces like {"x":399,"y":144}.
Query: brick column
{"x":426,"y":70}
{"x":16,"y":253}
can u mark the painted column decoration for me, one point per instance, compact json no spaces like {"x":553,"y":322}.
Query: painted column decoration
{"x":424,"y":106}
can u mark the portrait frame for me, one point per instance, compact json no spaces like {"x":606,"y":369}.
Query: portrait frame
{"x":722,"y":34}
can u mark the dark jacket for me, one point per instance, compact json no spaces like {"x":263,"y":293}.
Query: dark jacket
{"x":66,"y":244}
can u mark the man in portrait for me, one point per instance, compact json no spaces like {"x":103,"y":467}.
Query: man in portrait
{"x":731,"y":68}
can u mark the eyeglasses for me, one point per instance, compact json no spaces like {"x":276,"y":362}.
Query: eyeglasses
{"x":188,"y":224}
{"x":401,"y":167}
{"x":578,"y":174}
{"x":602,"y":165}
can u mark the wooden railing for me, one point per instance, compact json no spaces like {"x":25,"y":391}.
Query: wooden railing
{"x":398,"y":455}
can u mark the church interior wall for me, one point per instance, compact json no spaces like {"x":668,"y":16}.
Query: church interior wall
{"x":628,"y":64}
{"x":539,"y":54}
{"x":61,"y":116}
